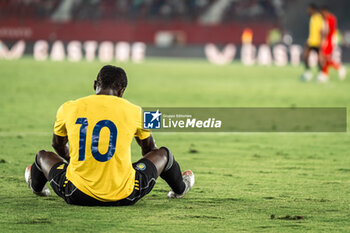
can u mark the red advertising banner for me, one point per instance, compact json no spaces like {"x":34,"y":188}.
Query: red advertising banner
{"x":192,"y":33}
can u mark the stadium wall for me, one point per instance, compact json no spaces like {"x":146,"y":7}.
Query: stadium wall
{"x":144,"y":31}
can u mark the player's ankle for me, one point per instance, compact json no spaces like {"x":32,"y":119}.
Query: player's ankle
{"x":38,"y":180}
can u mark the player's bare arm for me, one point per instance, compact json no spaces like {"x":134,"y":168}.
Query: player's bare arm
{"x":60,"y":145}
{"x":147,"y":144}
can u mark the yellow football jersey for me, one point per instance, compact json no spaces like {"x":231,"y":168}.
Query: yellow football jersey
{"x":315,"y":28}
{"x":100,"y":129}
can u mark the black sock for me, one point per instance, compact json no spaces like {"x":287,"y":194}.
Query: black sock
{"x":173,"y":177}
{"x":38,"y":178}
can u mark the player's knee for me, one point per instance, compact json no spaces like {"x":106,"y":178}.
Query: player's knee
{"x":163,"y":153}
{"x":169,"y":157}
{"x":42,"y":152}
{"x":41,"y":155}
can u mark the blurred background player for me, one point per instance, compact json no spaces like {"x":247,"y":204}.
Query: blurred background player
{"x":314,"y":40}
{"x":328,"y":45}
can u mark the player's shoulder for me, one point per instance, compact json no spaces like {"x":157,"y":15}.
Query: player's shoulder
{"x":332,"y":16}
{"x":89,"y":99}
{"x":130,"y":108}
{"x":317,"y":16}
{"x":130,"y":105}
{"x":109,"y":99}
{"x":71,"y":103}
{"x":66,"y":105}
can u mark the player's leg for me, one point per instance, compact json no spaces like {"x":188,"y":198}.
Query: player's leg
{"x":36,"y":175}
{"x":325,"y":63}
{"x":334,"y":64}
{"x":306,"y":57}
{"x":169,"y":170}
{"x":323,"y":75}
{"x":338,"y":67}
{"x":319,"y":59}
{"x":326,"y":66}
{"x":159,"y":158}
{"x":46,"y":160}
{"x":307,"y":75}
{"x":331,"y":63}
{"x":342,"y":72}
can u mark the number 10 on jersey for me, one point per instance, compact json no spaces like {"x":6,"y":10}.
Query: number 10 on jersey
{"x":95,"y":139}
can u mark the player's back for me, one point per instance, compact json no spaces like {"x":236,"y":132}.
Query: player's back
{"x":100,"y":129}
{"x":332,"y":25}
{"x":315,"y":28}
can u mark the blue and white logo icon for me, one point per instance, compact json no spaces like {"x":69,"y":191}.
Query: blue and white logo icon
{"x":151,"y":120}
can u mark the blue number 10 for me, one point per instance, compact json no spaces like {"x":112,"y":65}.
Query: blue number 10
{"x":95,"y":138}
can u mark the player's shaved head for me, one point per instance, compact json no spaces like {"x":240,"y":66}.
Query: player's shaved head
{"x":313,"y":6}
{"x":324,"y":8}
{"x":111,"y":77}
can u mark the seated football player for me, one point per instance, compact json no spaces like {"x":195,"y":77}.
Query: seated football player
{"x":96,"y":167}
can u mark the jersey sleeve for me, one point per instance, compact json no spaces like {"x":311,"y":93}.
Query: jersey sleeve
{"x":60,"y":125}
{"x":141,"y":133}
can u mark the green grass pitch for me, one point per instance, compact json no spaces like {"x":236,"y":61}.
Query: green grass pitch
{"x":244,"y":182}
